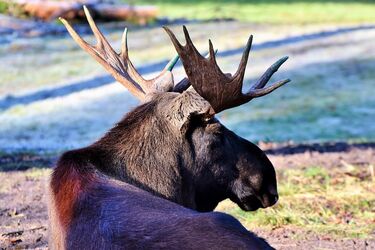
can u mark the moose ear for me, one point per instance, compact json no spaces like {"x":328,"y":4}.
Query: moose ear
{"x":186,"y":105}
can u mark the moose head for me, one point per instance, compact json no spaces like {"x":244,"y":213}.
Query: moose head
{"x":172,"y":144}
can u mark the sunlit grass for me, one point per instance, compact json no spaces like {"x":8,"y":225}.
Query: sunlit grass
{"x":274,"y":12}
{"x":3,"y":6}
{"x":37,"y":172}
{"x":331,"y":113}
{"x":336,"y":201}
{"x":264,"y":11}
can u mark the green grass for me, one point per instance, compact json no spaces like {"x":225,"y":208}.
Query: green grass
{"x":9,"y":8}
{"x":273,"y":12}
{"x":3,"y":7}
{"x":337,"y":201}
{"x":331,"y":113}
{"x":266,"y":11}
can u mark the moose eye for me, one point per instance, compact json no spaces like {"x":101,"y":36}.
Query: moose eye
{"x":208,"y":119}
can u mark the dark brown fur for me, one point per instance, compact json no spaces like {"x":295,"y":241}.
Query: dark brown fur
{"x":109,"y":214}
{"x":196,"y":167}
{"x":172,"y":147}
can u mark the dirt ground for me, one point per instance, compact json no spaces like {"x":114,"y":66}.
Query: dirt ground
{"x":23,"y":211}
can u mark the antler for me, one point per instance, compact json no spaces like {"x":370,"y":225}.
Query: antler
{"x":222,"y":91}
{"x":119,"y":65}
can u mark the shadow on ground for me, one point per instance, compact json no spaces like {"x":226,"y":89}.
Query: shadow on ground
{"x":26,"y":160}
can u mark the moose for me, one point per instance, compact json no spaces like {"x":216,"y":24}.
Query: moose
{"x":153,"y":180}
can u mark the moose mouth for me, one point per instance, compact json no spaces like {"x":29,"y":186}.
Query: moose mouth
{"x":250,"y":203}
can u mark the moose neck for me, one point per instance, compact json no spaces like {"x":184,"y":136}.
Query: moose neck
{"x":145,"y":151}
{"x":208,"y":195}
{"x":141,"y":150}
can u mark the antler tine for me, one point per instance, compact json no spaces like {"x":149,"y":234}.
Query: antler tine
{"x":211,"y":51}
{"x":146,"y":86}
{"x":263,"y":80}
{"x":174,"y":40}
{"x":240,"y":73}
{"x":221,"y":90}
{"x":170,"y":65}
{"x":264,"y":91}
{"x":97,"y":51}
{"x":119,"y":65}
{"x":189,"y":42}
{"x":125,"y":56}
{"x":187,"y":36}
{"x":124,"y":44}
{"x":73,"y":33}
{"x":102,"y":41}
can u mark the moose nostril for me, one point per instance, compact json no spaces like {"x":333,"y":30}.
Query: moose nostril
{"x":272,"y":199}
{"x":276,"y":198}
{"x":269,"y":200}
{"x":273,"y":191}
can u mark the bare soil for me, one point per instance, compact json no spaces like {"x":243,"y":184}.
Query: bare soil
{"x":23,"y":211}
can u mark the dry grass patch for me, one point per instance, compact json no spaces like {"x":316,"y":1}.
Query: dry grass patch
{"x":335,"y":201}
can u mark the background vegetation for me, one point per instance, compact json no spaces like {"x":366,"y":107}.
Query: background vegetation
{"x":337,"y":201}
{"x":269,"y":11}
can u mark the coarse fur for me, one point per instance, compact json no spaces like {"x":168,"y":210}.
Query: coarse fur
{"x":172,"y":151}
{"x":110,"y":214}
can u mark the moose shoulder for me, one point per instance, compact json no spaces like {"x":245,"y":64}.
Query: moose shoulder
{"x":110,"y":214}
{"x":171,"y":146}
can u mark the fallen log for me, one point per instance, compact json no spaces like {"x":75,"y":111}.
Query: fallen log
{"x":139,"y":14}
{"x":49,"y":10}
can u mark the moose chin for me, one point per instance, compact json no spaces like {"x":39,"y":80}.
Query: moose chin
{"x":153,"y":180}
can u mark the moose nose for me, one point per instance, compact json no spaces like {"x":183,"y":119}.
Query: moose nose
{"x":275,"y":199}
{"x":269,"y":200}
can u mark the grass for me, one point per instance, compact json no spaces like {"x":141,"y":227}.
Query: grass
{"x":337,"y":116}
{"x":3,"y":7}
{"x":263,"y":11}
{"x":336,"y":202}
{"x":331,"y":101}
{"x":37,"y":172}
{"x":269,"y":11}
{"x":7,"y":7}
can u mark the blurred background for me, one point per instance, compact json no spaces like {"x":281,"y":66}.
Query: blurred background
{"x":319,"y":130}
{"x":46,"y":77}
